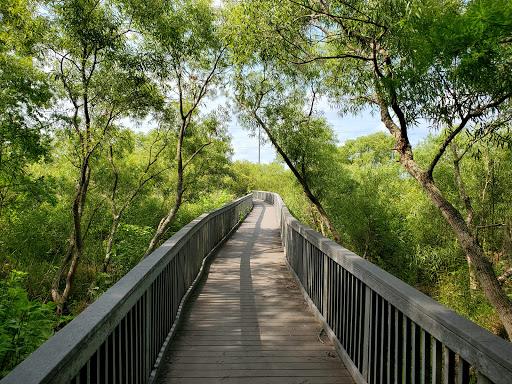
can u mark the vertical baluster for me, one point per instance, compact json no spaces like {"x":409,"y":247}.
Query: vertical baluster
{"x":323,"y":281}
{"x":157,"y":318}
{"x":391,"y":344}
{"x":366,"y":335}
{"x":383,"y":340}
{"x":355,"y":319}
{"x":338,"y":302}
{"x":160,"y":303}
{"x":416,"y":353}
{"x":316,"y":278}
{"x":425,"y":357}
{"x":88,"y":370}
{"x":126,"y":349}
{"x":112,"y":357}
{"x":174,"y":288}
{"x":463,"y":374}
{"x":362,"y":295}
{"x":99,"y":370}
{"x":325,"y":291}
{"x":374,"y":346}
{"x":144,"y":339}
{"x":120,"y":352}
{"x":357,"y":324}
{"x":329,"y":293}
{"x":168,"y":299}
{"x":407,"y":350}
{"x":309,"y":269}
{"x":131,"y":347}
{"x":106,"y":361}
{"x":163,"y":305}
{"x":449,"y":366}
{"x":399,"y":346}
{"x":378,"y":337}
{"x":137,"y":356}
{"x":350,"y":311}
{"x":344,"y":284}
{"x":320,"y":279}
{"x":437,"y":362}
{"x":312,"y":274}
{"x":333,"y":288}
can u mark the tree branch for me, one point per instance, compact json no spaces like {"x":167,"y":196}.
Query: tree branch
{"x":195,"y":153}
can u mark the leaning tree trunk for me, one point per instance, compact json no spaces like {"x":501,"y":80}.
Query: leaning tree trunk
{"x":106,"y":260}
{"x":473,"y":286}
{"x":507,"y":239}
{"x":165,"y":223}
{"x":75,"y":247}
{"x":300,"y":178}
{"x":483,"y":269}
{"x":481,"y":266}
{"x":321,"y":210}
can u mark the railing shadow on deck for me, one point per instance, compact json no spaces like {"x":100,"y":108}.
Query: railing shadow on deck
{"x":122,"y":336}
{"x":384,"y":330}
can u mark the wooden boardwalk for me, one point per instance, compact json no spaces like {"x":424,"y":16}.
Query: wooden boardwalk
{"x":247,"y":321}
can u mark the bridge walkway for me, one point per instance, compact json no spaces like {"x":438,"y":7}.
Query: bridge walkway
{"x":247,"y":321}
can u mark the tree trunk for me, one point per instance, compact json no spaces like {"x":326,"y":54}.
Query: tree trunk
{"x":55,"y":290}
{"x":322,"y":228}
{"x":313,"y":216}
{"x":473,"y":286}
{"x":481,"y":265}
{"x":165,"y":223}
{"x":322,"y":212}
{"x":106,"y":260}
{"x":302,"y":181}
{"x":75,"y":246}
{"x":507,"y":239}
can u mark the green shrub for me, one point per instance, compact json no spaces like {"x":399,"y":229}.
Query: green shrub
{"x":25,"y":324}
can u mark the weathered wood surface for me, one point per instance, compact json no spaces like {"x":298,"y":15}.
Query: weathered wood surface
{"x":385,"y":330}
{"x":247,"y":321}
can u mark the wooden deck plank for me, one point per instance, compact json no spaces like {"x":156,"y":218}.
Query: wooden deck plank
{"x":215,"y":359}
{"x":249,"y":373}
{"x":247,"y":321}
{"x":260,"y":380}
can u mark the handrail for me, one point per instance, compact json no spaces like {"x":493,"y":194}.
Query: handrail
{"x":121,"y":337}
{"x":385,"y":330}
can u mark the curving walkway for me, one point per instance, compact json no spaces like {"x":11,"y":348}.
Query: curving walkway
{"x":247,"y":321}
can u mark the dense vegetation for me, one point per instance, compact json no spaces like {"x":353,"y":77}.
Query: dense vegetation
{"x":108,"y":143}
{"x":383,"y":215}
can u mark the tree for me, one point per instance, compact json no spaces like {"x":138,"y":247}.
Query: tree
{"x":26,"y":95}
{"x":303,"y":140}
{"x":369,"y":205}
{"x":128,"y":178}
{"x":445,"y":61}
{"x":188,"y":59}
{"x":102,"y":81}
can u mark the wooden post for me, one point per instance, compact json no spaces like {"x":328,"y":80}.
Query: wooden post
{"x":366,"y":332}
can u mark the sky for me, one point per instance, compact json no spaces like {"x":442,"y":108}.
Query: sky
{"x":346,"y":127}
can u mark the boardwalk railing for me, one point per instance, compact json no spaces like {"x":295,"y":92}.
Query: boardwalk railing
{"x":385,"y":330}
{"x":122,"y":336}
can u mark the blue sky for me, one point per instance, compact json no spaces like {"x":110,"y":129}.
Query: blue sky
{"x":346,"y":127}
